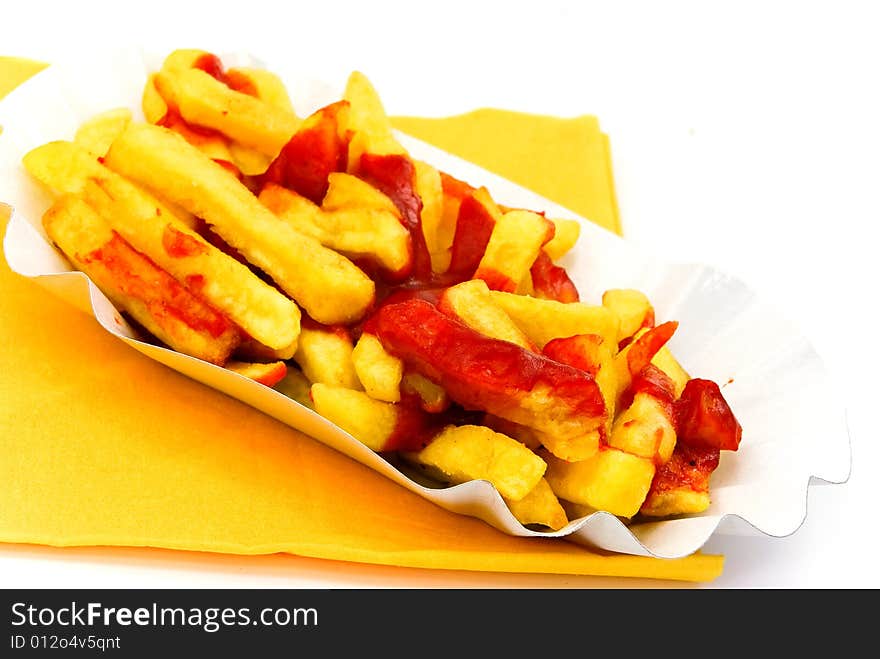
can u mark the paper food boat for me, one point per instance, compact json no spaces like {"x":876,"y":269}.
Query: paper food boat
{"x":794,"y":423}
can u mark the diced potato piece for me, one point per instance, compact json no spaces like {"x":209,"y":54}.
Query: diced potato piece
{"x":296,"y":385}
{"x":151,"y":228}
{"x":324,"y":355}
{"x":370,"y":421}
{"x":347,"y":191}
{"x":612,"y":480}
{"x":269,"y":374}
{"x":465,"y":453}
{"x":676,"y":502}
{"x":134,"y":284}
{"x":576,"y":510}
{"x":205,"y":101}
{"x":514,"y":245}
{"x":545,"y":320}
{"x":472,"y":304}
{"x":632,"y":307}
{"x":433,"y":397}
{"x":565,"y":237}
{"x":370,"y":126}
{"x":356,"y":232}
{"x":644,"y":429}
{"x":327,"y":285}
{"x":540,"y":506}
{"x":378,"y":372}
{"x":665,"y":361}
{"x":96,"y":134}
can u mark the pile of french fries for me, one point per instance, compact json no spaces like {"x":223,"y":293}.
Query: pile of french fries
{"x":431,"y":323}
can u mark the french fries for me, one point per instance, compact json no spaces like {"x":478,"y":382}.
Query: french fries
{"x":407,"y":307}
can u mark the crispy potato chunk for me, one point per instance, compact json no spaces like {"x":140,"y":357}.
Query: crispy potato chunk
{"x":632,"y":308}
{"x":513,"y":246}
{"x":203,"y":100}
{"x":465,"y":453}
{"x":573,"y":449}
{"x":372,"y":422}
{"x":666,"y":362}
{"x":429,"y":187}
{"x":347,"y":191}
{"x":540,"y":506}
{"x":96,"y":134}
{"x":370,"y":126}
{"x":356,"y":232}
{"x":681,"y":486}
{"x":325,"y":355}
{"x":472,"y":304}
{"x":612,"y":480}
{"x":645,"y":429}
{"x":564,"y":238}
{"x":545,"y":320}
{"x":135,"y":285}
{"x":151,"y":228}
{"x":327,"y":285}
{"x":379,"y":372}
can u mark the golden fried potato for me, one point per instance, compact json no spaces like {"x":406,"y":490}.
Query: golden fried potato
{"x":96,"y":134}
{"x":545,"y":320}
{"x":372,"y":422}
{"x":204,"y":101}
{"x":612,"y":480}
{"x":632,"y":307}
{"x":296,"y":386}
{"x":356,"y":232}
{"x":540,"y":506}
{"x":345,"y":191}
{"x":151,"y":228}
{"x":379,"y":372}
{"x":326,"y":284}
{"x":465,"y":453}
{"x":513,"y":247}
{"x":472,"y":304}
{"x":429,"y":187}
{"x":325,"y":356}
{"x":433,"y":398}
{"x":134,"y":284}
{"x":564,"y":238}
{"x":370,"y":126}
{"x":644,"y":429}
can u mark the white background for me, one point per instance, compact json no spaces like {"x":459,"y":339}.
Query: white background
{"x":743,"y":134}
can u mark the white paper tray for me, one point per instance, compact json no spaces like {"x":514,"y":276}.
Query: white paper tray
{"x":794,"y":425}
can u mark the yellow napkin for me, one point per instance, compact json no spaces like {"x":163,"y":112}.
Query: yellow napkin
{"x":101,"y":446}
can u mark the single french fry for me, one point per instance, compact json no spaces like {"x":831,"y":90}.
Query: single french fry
{"x":325,"y":355}
{"x":545,"y":320}
{"x":472,"y":304}
{"x":564,"y":238}
{"x":429,"y":187}
{"x":379,"y":372}
{"x":97,"y":133}
{"x":134,"y":284}
{"x":611,"y":480}
{"x":370,"y":126}
{"x":540,"y":506}
{"x":203,"y":100}
{"x":347,"y":191}
{"x":356,"y":232}
{"x":432,"y":397}
{"x":465,"y":453}
{"x":513,"y":246}
{"x":326,"y":284}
